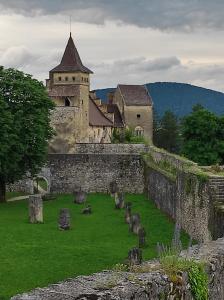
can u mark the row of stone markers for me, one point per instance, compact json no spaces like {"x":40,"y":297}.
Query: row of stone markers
{"x":133,"y":220}
{"x":36,"y":210}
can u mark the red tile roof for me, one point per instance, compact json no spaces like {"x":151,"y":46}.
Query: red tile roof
{"x":96,"y":116}
{"x":136,"y":95}
{"x":71,"y":61}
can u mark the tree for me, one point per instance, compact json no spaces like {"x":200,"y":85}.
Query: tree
{"x":203,"y":136}
{"x":166,"y":132}
{"x":24,"y":126}
{"x":127,"y":136}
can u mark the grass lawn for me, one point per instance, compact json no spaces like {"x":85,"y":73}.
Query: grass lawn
{"x":42,"y":183}
{"x":34,"y":255}
{"x":14,"y":194}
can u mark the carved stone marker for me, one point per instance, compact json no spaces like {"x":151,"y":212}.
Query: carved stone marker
{"x":87,"y":210}
{"x":127,"y":215}
{"x":35,"y":209}
{"x":141,"y":237}
{"x":80,"y":197}
{"x":113,"y":188}
{"x":135,"y":256}
{"x":134,"y":224}
{"x":64,"y":219}
{"x":48,"y":197}
{"x":128,"y":205}
{"x":119,"y":200}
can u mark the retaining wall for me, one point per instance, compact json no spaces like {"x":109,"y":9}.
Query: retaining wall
{"x":150,"y":285}
{"x":183,"y":190}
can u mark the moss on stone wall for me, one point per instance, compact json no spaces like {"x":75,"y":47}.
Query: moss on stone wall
{"x":163,"y":167}
{"x":169,"y":169}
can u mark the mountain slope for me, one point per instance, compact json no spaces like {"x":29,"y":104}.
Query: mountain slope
{"x":179,"y":97}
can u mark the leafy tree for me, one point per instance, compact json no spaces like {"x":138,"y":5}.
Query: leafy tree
{"x":203,"y":136}
{"x":24,"y":126}
{"x":126,"y":136}
{"x":166,"y":132}
{"x":156,"y":128}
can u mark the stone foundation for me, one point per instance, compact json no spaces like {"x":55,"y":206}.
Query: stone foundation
{"x":151,"y":285}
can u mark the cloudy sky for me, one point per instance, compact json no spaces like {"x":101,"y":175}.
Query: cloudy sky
{"x":122,"y":41}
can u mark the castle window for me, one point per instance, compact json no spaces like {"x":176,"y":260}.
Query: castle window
{"x":139,"y":131}
{"x":82,"y":101}
{"x":67,"y":102}
{"x":73,"y":78}
{"x":66,"y":78}
{"x":138,"y":116}
{"x":59,"y":78}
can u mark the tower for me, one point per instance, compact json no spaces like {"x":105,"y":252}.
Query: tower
{"x":68,"y":86}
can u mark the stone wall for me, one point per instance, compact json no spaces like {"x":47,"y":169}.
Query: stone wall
{"x":94,"y":172}
{"x":25,"y":186}
{"x":110,"y":148}
{"x":92,"y":167}
{"x":150,"y":284}
{"x":185,"y":192}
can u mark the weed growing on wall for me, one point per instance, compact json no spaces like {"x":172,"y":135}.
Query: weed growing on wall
{"x":199,"y":281}
{"x":173,"y":265}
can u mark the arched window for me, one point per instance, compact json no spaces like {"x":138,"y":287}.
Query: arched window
{"x":73,"y":78}
{"x":67,"y":102}
{"x":139,"y":131}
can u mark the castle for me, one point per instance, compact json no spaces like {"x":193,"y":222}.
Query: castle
{"x":81,"y":117}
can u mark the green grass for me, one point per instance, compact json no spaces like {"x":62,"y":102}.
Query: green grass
{"x":14,"y":194}
{"x":34,"y":255}
{"x":42,"y":183}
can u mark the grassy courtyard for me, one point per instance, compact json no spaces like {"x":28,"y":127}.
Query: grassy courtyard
{"x":34,"y":255}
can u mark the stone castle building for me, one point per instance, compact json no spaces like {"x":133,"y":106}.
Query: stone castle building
{"x":81,"y":117}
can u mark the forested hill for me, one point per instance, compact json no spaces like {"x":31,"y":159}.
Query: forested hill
{"x":179,"y":97}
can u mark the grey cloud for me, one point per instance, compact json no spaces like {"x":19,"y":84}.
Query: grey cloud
{"x":138,"y":64}
{"x":16,"y":57}
{"x":205,"y":75}
{"x":158,"y":14}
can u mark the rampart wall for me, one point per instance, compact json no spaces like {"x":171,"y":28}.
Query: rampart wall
{"x":186,"y":193}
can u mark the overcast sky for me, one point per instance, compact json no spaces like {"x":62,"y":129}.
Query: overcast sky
{"x":122,"y":41}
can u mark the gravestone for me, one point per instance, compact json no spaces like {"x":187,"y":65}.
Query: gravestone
{"x":80,"y":197}
{"x":35,"y":209}
{"x":64,"y":219}
{"x":127,"y":215}
{"x":128,"y":205}
{"x":119,"y":200}
{"x":141,"y":237}
{"x":87,"y":210}
{"x":134,"y":224}
{"x":135,"y":256}
{"x":48,"y":197}
{"x":113,"y":188}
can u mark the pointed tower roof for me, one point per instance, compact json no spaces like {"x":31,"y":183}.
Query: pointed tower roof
{"x":71,"y":61}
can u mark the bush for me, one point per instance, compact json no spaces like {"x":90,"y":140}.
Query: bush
{"x":127,"y":136}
